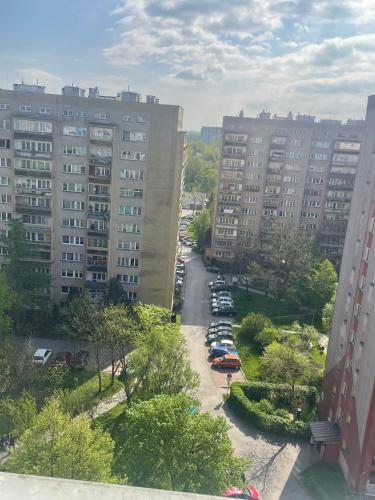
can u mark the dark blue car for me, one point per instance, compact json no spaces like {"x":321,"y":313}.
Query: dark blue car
{"x":221,"y":350}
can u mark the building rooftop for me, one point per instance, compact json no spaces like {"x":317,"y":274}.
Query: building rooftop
{"x":25,"y":487}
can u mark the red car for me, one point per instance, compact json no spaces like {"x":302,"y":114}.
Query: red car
{"x":227,"y":361}
{"x":63,"y":358}
{"x":248,"y":492}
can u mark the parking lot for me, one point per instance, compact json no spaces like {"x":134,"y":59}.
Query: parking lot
{"x":274,"y":461}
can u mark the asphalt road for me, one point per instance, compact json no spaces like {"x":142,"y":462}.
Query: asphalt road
{"x":274,"y":462}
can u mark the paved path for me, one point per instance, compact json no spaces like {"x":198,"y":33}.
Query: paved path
{"x":273,"y":461}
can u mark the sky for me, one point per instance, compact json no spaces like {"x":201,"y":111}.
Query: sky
{"x":213,"y":57}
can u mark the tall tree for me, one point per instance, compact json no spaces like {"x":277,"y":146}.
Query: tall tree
{"x":59,"y":446}
{"x":29,"y":285}
{"x":321,"y":285}
{"x":7,"y":299}
{"x":83,"y":320}
{"x":282,"y":363}
{"x":327,"y":314}
{"x":200,"y":228}
{"x":115,"y":294}
{"x":17,"y":414}
{"x":177,"y":447}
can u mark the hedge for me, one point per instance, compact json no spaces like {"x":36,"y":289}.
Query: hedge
{"x":281,"y":394}
{"x":251,"y":411}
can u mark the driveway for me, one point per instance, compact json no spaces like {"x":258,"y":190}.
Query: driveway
{"x":273,"y":461}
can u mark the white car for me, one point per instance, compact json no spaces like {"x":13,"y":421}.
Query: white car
{"x":221,"y":342}
{"x":222,"y":301}
{"x":41,"y":356}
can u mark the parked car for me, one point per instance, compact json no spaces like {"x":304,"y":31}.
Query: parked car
{"x":216,"y":282}
{"x":187,"y":243}
{"x":63,"y":358}
{"x":224,"y":310}
{"x":223,"y":301}
{"x":248,"y":492}
{"x":219,"y":328}
{"x":220,"y":350}
{"x":227,"y":361}
{"x":220,"y":322}
{"x":215,"y":337}
{"x":212,"y":269}
{"x":218,"y":288}
{"x":227,"y":342}
{"x":41,"y":356}
{"x":223,"y":293}
{"x":219,"y":332}
{"x":80,"y":360}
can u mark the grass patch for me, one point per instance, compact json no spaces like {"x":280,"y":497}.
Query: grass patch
{"x":112,"y":423}
{"x":86,"y":396}
{"x":325,"y":482}
{"x":250,"y":359}
{"x":280,"y":312}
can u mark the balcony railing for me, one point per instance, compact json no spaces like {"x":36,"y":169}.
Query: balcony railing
{"x":32,"y":154}
{"x":23,"y":208}
{"x":98,"y":285}
{"x":100,"y":160}
{"x":32,"y":173}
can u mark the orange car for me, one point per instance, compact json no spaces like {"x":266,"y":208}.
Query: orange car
{"x":227,"y":361}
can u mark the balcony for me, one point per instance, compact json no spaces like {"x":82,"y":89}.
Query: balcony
{"x":277,"y":154}
{"x":235,"y":156}
{"x":99,"y":215}
{"x":24,"y":208}
{"x":235,"y":143}
{"x":32,"y":154}
{"x":33,"y":173}
{"x":93,"y":231}
{"x":32,"y":135}
{"x":97,"y":285}
{"x":100,"y":160}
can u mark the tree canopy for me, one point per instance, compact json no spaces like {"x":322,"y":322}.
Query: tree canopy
{"x":202,"y":167}
{"x":177,"y":447}
{"x":59,"y":446}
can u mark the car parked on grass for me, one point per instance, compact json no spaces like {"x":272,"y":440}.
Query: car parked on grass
{"x":220,"y":323}
{"x":41,"y":356}
{"x":80,"y":360}
{"x":221,"y":350}
{"x":63,"y":358}
{"x":227,"y":361}
{"x":215,"y":337}
{"x":224,"y":310}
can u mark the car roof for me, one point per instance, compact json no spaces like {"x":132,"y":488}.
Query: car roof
{"x":40,"y":352}
{"x":231,"y":356}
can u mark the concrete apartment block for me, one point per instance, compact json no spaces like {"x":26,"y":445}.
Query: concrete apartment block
{"x":97,"y":181}
{"x":286,"y":169}
{"x":348,"y":392}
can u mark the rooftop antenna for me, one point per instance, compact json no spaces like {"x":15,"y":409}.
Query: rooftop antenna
{"x":128,"y":88}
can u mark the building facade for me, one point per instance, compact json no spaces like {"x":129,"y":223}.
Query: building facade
{"x":292,"y":170}
{"x":97,"y":181}
{"x":210,"y":134}
{"x":348,"y":391}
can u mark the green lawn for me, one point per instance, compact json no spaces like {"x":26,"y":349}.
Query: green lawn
{"x":112,"y":422}
{"x":281,"y":312}
{"x":86,"y":396}
{"x":325,"y":482}
{"x":249,"y":357}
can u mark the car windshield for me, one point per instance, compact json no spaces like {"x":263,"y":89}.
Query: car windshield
{"x":38,"y":358}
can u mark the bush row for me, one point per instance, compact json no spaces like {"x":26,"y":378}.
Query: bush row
{"x":280,"y":394}
{"x":251,"y":411}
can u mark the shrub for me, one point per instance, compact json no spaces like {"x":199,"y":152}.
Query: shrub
{"x":254,"y":323}
{"x":266,"y":337}
{"x":253,"y":413}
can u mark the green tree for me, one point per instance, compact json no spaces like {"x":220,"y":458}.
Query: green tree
{"x":30,"y":287}
{"x":200,"y":228}
{"x":202,"y":167}
{"x":327,"y":314}
{"x":57,"y":445}
{"x":280,"y":363}
{"x":83,"y":320}
{"x":115,"y":294}
{"x":177,"y":447}
{"x":321,"y":285}
{"x":266,"y":337}
{"x":17,"y":415}
{"x":254,"y":323}
{"x":7,"y":299}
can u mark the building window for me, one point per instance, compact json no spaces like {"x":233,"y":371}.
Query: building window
{"x":131,"y":193}
{"x":5,"y":216}
{"x":71,"y":273}
{"x":73,"y":205}
{"x":102,"y":116}
{"x":39,"y":220}
{"x":25,"y":109}
{"x":127,"y":262}
{"x":127,"y":278}
{"x":5,"y":107}
{"x":4,"y":124}
{"x":5,"y":162}
{"x":72,"y":187}
{"x":4,"y":181}
{"x":72,"y":240}
{"x":4,"y":143}
{"x":39,"y":165}
{"x":45,"y":111}
{"x":71,"y":168}
{"x":73,"y":222}
{"x":5,"y":198}
{"x":67,"y":113}
{"x":128,"y":245}
{"x":72,"y":257}
{"x":130,"y":136}
{"x":127,"y":118}
{"x":130,"y":210}
{"x":75,"y":150}
{"x":43,"y":184}
{"x":133,"y":155}
{"x":33,"y":126}
{"x":33,"y":146}
{"x":75,"y":131}
{"x":133,"y":175}
{"x":129,"y":228}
